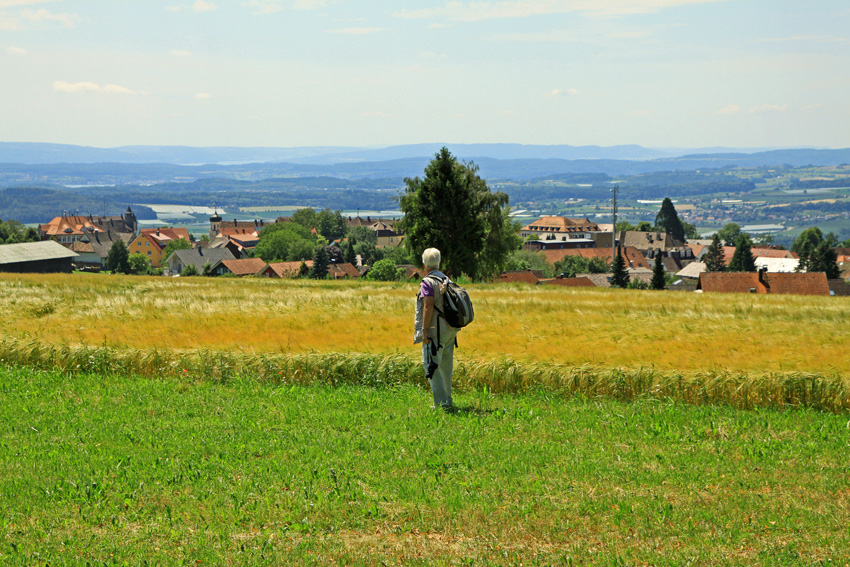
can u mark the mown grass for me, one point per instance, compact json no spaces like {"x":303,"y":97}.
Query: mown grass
{"x":103,"y":470}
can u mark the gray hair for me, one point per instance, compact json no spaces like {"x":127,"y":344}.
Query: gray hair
{"x":431,"y":259}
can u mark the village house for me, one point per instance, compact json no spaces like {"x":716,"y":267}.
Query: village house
{"x":198,"y":257}
{"x":239,"y":267}
{"x":152,"y":241}
{"x":343,"y":270}
{"x":813,"y":283}
{"x":68,"y":229}
{"x":559,"y":228}
{"x":387,"y":236}
{"x":285,"y":269}
{"x":36,"y":257}
{"x":532,"y":277}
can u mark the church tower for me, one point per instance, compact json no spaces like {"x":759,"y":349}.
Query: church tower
{"x":215,"y":223}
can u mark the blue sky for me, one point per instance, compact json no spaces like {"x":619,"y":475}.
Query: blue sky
{"x":659,"y":73}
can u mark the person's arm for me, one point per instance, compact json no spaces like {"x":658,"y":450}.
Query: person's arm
{"x":427,"y":314}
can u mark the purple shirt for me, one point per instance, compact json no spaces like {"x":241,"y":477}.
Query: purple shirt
{"x":425,"y":289}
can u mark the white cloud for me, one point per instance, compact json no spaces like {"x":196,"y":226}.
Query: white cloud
{"x":762,"y":108}
{"x":203,"y":96}
{"x":728,"y":110}
{"x":271,"y":6}
{"x":40,"y":15}
{"x":357,"y":31}
{"x":559,"y":92}
{"x":18,"y":3}
{"x":201,"y":6}
{"x":13,"y":50}
{"x":477,"y":10}
{"x":309,"y":4}
{"x":87,"y":87}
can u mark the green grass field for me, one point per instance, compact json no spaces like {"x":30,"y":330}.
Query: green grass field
{"x":101,"y":470}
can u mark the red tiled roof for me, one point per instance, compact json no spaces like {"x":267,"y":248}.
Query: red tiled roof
{"x":286,"y":269}
{"x":162,"y":236}
{"x":811,"y":283}
{"x":245,"y":266}
{"x":560,"y":224}
{"x":343,"y":270}
{"x":730,"y":282}
{"x":814,"y":283}
{"x":72,"y":225}
{"x":519,"y":276}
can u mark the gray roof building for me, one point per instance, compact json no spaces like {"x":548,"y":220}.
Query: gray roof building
{"x":197,"y":257}
{"x":38,"y":257}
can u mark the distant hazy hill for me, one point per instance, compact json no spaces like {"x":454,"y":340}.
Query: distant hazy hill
{"x":75,"y":165}
{"x":33,"y":153}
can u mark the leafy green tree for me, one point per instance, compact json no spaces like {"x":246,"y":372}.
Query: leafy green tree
{"x":319,"y":271}
{"x":625,"y":226}
{"x":330,"y":224}
{"x":816,"y":253}
{"x":189,"y":270}
{"x":729,"y":234}
{"x":742,"y":259}
{"x":138,"y":264}
{"x":368,"y":252}
{"x":452,"y":209}
{"x":667,"y":220}
{"x":176,"y":244}
{"x":348,"y":253}
{"x":570,"y":266}
{"x":385,"y":271}
{"x":659,"y":279}
{"x":118,"y":258}
{"x":620,"y":277}
{"x":399,"y":255}
{"x":303,"y":270}
{"x":644,"y":226}
{"x":287,"y":241}
{"x":824,"y":259}
{"x":13,"y":232}
{"x":335,"y":254}
{"x":529,"y":260}
{"x":638,"y":284}
{"x":691,"y":232}
{"x":207,"y":270}
{"x":362,"y":234}
{"x":807,"y":240}
{"x":305,"y":217}
{"x":714,"y":257}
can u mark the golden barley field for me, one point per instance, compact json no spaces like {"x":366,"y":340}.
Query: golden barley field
{"x":630,"y":329}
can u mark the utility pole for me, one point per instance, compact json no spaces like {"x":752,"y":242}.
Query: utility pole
{"x":614,"y":224}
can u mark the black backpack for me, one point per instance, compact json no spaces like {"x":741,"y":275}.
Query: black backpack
{"x":457,"y":306}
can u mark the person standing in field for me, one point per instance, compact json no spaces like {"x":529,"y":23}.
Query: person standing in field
{"x":432,"y":330}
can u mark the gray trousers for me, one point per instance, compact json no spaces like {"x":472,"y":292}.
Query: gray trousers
{"x":441,"y":381}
